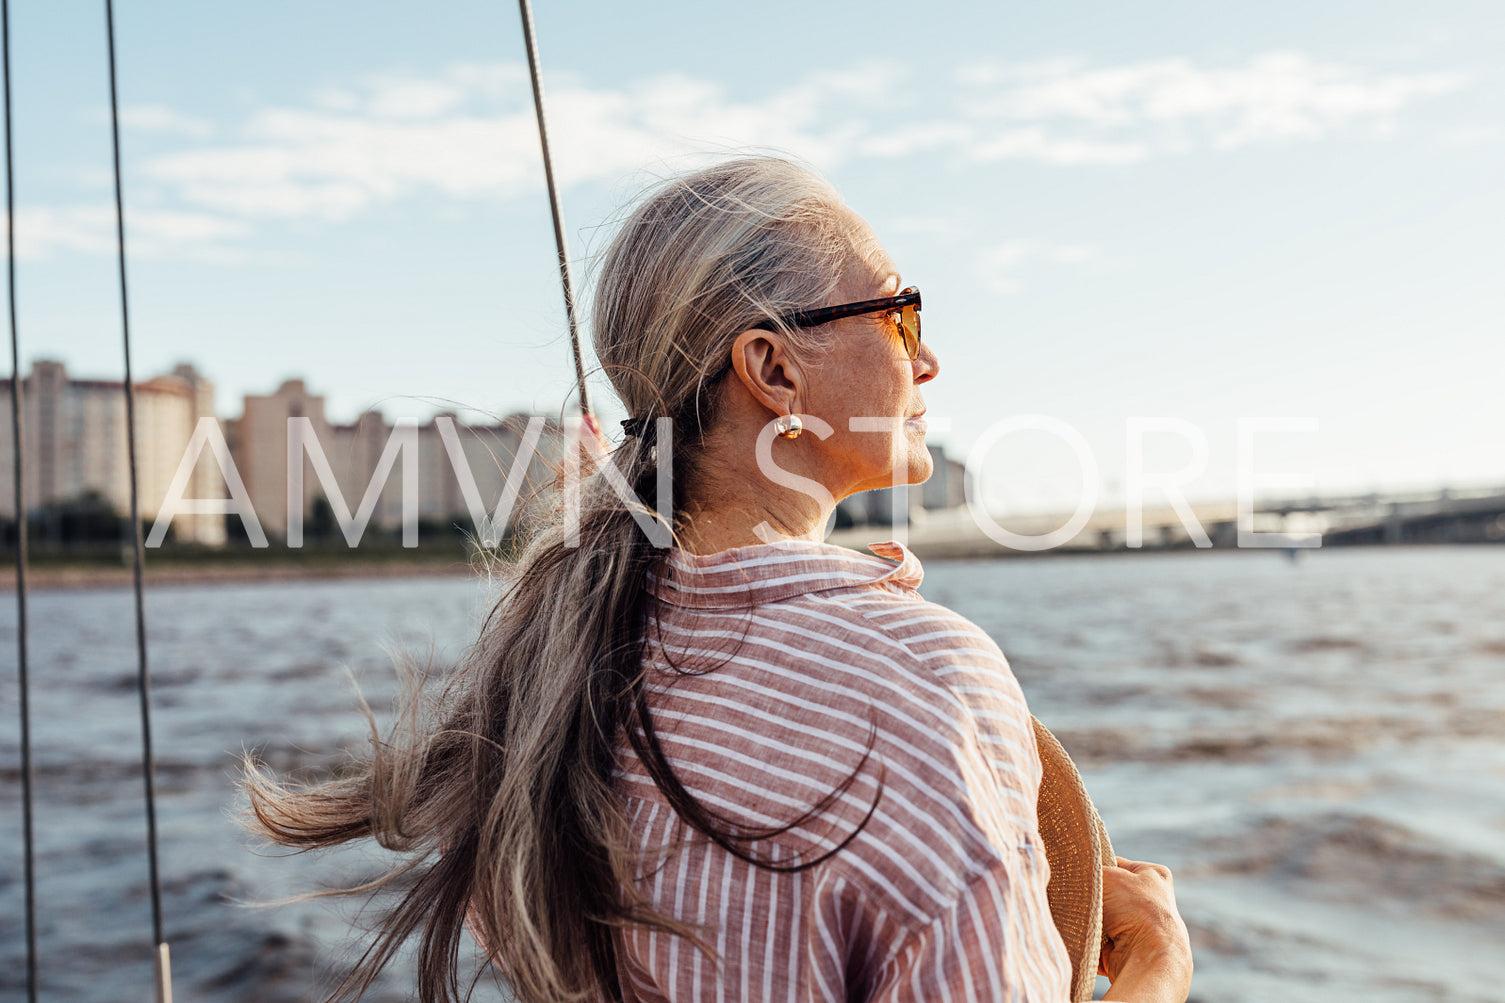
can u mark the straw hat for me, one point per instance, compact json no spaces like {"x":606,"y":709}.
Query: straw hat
{"x":1077,"y":847}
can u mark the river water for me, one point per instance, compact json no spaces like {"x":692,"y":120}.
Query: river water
{"x":1316,"y":748}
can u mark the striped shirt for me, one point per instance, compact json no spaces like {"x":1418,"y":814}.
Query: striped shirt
{"x":771,"y":670}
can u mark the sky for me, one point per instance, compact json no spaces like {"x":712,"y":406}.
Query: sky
{"x":1173,"y":210}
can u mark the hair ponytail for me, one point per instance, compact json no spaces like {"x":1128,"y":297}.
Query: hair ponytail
{"x":506,"y":770}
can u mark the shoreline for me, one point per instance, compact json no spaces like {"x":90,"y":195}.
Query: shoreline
{"x":82,"y":577}
{"x":239,"y":570}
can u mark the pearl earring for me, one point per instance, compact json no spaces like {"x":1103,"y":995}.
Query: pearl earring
{"x":789,"y":426}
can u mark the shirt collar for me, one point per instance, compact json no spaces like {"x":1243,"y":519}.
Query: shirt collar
{"x":769,"y":572}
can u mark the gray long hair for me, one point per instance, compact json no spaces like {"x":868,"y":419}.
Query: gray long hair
{"x":508,"y":769}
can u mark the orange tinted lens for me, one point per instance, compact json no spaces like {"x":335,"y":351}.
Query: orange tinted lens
{"x":909,"y":327}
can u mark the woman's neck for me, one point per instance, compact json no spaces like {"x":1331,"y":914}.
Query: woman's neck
{"x":734,"y":505}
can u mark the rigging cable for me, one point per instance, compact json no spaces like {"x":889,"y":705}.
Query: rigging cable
{"x":143,"y":677}
{"x":17,"y":440}
{"x":526,"y":10}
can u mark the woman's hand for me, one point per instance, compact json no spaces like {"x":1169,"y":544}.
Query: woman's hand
{"x":1149,"y":957}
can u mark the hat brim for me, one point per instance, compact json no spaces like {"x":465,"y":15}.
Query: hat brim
{"x":1077,"y":848}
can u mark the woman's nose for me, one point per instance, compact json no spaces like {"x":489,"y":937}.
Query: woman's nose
{"x":926,"y":365}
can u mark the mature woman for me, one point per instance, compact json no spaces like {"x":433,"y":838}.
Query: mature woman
{"x":750,"y":765}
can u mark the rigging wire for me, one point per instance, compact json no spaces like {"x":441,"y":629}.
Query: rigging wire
{"x":163,"y":965}
{"x":23,"y":676}
{"x":525,"y":8}
{"x":143,"y":676}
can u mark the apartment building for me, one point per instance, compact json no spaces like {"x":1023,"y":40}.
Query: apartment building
{"x":75,"y":443}
{"x":453,"y":465}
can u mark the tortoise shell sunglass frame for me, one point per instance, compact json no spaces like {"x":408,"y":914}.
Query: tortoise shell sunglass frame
{"x":904,"y":307}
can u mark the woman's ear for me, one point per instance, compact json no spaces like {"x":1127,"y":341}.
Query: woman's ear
{"x":763,"y":363}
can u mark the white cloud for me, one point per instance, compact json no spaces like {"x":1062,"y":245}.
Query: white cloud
{"x":1000,"y":265}
{"x":1164,"y":106}
{"x":468,"y":133}
{"x":334,"y":99}
{"x":914,"y":138}
{"x":44,"y":231}
{"x":390,"y":138}
{"x":931,"y":225}
{"x":1071,"y":254}
{"x":416,"y":99}
{"x":1470,"y":136}
{"x":1038,"y":144}
{"x":160,"y":118}
{"x":310,"y":162}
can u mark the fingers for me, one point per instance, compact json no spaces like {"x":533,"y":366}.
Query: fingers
{"x":1140,"y":917}
{"x":1141,"y":866}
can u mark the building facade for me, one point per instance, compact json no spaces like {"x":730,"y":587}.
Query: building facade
{"x":454,"y":465}
{"x":75,"y":444}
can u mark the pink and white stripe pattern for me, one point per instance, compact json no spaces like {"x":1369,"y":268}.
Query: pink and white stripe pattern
{"x":796,"y":656}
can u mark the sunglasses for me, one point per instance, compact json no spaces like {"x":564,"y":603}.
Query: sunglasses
{"x":903,"y":310}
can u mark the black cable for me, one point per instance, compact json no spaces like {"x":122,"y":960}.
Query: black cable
{"x":143,"y":677}
{"x":19,"y":440}
{"x":526,"y":9}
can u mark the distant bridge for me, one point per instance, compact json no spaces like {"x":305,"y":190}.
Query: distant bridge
{"x":1441,"y":516}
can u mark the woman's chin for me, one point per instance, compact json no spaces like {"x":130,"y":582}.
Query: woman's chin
{"x":921,"y":464}
{"x":918,"y":466}
{"x":921,"y":469}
